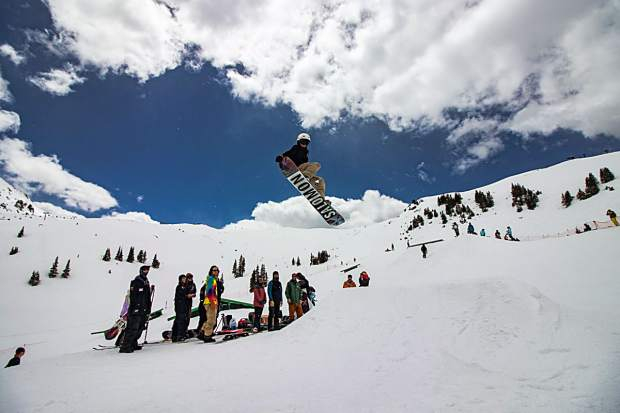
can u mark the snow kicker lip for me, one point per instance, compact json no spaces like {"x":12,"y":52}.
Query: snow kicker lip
{"x":329,"y":214}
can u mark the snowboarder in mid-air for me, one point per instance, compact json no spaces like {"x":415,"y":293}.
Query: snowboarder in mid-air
{"x":299,"y":155}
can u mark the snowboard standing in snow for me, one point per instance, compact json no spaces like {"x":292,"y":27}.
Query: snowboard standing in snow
{"x":301,"y":183}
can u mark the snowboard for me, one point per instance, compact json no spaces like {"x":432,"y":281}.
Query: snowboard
{"x":305,"y":188}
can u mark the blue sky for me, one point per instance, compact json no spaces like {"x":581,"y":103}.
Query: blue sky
{"x":194,"y":148}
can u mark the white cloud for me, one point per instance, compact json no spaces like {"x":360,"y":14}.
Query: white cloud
{"x":423,"y":175}
{"x":55,"y":210}
{"x":43,"y":173}
{"x":9,"y":121}
{"x":404,"y":62}
{"x":5,"y":93}
{"x":58,"y":81}
{"x":297,"y":212}
{"x":478,"y":152}
{"x":140,"y":198}
{"x":131,"y":216}
{"x":8,"y":51}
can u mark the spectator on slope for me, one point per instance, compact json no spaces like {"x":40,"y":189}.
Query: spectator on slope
{"x":299,"y":155}
{"x":509,"y":233}
{"x":191,"y":291}
{"x":612,"y":216}
{"x":274,"y":290}
{"x":349,"y":283}
{"x":470,"y":229}
{"x":497,"y":234}
{"x":483,"y":233}
{"x":293,"y":297}
{"x":424,"y":250}
{"x":202,"y":312}
{"x":19,"y":353}
{"x":181,"y":320}
{"x":260,"y":299}
{"x":211,"y":305}
{"x":455,"y":227}
{"x":138,"y":312}
{"x":364,"y":279}
{"x":586,"y":227}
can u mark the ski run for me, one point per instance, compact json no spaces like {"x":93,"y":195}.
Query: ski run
{"x":479,"y":325}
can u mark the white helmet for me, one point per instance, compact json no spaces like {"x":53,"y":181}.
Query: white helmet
{"x":303,"y":137}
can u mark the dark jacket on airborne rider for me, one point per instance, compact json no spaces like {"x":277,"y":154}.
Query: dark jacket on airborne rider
{"x":297,"y":153}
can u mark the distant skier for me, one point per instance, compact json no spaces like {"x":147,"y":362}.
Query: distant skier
{"x":16,"y":360}
{"x":424,"y":250}
{"x":455,"y":228}
{"x":139,"y":310}
{"x":210,"y":304}
{"x":364,"y":279}
{"x":349,"y":283}
{"x":483,"y":233}
{"x":274,"y":290}
{"x":293,"y":297}
{"x":181,"y":320}
{"x":612,"y":216}
{"x":586,"y":227}
{"x":260,"y":299}
{"x":509,"y":233}
{"x":497,"y":234}
{"x":299,"y":155}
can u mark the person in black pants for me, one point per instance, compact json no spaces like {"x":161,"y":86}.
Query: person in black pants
{"x":139,"y":310}
{"x":191,"y":293}
{"x":274,"y":290}
{"x":181,"y":319}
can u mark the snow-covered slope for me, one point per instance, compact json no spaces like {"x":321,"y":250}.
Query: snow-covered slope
{"x":481,"y":325}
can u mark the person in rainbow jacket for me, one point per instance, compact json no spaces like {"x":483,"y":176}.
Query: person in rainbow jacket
{"x":210,"y":304}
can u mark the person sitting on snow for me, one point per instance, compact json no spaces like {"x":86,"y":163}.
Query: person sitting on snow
{"x":299,"y":155}
{"x":497,"y":234}
{"x":470,"y":229}
{"x":349,"y":283}
{"x":364,"y":279}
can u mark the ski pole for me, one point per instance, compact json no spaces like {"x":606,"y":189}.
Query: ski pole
{"x":148,"y":317}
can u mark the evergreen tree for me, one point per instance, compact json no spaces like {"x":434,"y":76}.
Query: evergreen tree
{"x":54,"y":270}
{"x":142,"y":258}
{"x":107,"y":256}
{"x":155,"y":263}
{"x":234,"y":269}
{"x":14,"y":251}
{"x":130,"y":256}
{"x":606,"y":175}
{"x":241,"y":268}
{"x":444,"y":218}
{"x":591,"y":185}
{"x":490,"y":201}
{"x":581,"y":195}
{"x":567,"y":199}
{"x":20,"y":234}
{"x":34,"y":278}
{"x":293,"y":261}
{"x":298,"y":262}
{"x":67,"y":271}
{"x":119,"y":254}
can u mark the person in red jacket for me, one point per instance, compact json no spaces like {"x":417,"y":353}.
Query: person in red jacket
{"x":260,"y":298}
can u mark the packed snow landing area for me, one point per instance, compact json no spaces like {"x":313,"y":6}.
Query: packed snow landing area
{"x":481,"y":325}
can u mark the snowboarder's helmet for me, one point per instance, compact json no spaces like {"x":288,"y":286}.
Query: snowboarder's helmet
{"x":303,"y":137}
